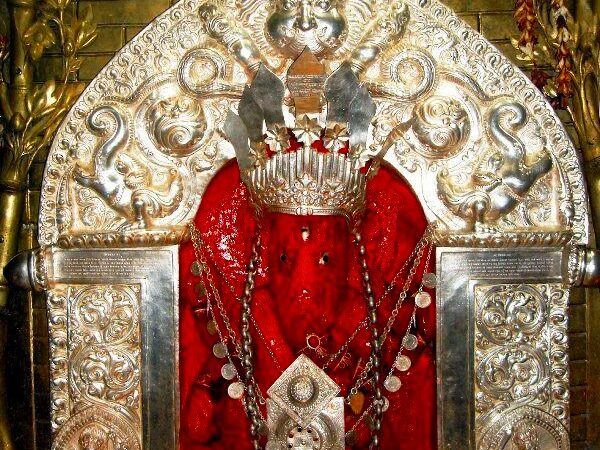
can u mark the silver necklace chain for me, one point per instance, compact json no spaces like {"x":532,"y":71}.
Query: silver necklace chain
{"x":244,"y":351}
{"x":335,"y":356}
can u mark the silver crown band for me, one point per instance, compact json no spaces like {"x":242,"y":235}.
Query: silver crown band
{"x":306,"y":182}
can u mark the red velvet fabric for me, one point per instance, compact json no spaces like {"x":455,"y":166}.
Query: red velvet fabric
{"x":300,"y":291}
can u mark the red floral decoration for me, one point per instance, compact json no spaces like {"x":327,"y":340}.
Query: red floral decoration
{"x":529,"y":26}
{"x":564,"y":58}
{"x":527,"y":23}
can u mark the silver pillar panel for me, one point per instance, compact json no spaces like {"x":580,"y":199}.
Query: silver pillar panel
{"x":117,"y":344}
{"x":502,"y":357}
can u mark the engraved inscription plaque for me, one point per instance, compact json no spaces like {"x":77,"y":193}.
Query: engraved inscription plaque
{"x":504,"y":312}
{"x":144,"y":284}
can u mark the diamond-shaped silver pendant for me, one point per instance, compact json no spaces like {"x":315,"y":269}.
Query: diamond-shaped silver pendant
{"x":303,"y":412}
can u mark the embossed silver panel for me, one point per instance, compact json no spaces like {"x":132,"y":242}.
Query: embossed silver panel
{"x":118,"y":310}
{"x":476,"y":140}
{"x":502,"y":349}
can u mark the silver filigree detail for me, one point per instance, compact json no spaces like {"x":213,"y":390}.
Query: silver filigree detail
{"x":176,"y":125}
{"x":97,"y":429}
{"x":302,"y":404}
{"x":521,"y":363}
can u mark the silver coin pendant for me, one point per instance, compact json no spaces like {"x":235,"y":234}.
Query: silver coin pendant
{"x":429,"y":280}
{"x":228,"y":372}
{"x":423,"y":299}
{"x":220,"y":350}
{"x":410,"y":342}
{"x":403,"y":363}
{"x":236,"y":390}
{"x":392,"y":383}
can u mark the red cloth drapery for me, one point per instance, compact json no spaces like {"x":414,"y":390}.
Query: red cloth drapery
{"x":308,"y":284}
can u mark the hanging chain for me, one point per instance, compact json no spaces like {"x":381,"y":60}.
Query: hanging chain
{"x":244,"y":350}
{"x":247,"y":352}
{"x":419,"y":250}
{"x":201,"y":257}
{"x":232,"y":289}
{"x":413,"y":318}
{"x":375,"y":357}
{"x":388,"y":291}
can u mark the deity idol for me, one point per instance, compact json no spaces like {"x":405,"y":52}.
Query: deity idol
{"x":306,"y":316}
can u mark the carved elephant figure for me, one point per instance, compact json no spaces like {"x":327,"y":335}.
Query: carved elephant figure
{"x":501,"y":179}
{"x":122,"y":182}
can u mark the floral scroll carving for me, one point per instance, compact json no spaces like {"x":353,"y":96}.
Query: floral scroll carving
{"x":98,"y":429}
{"x":442,"y":126}
{"x":96,"y":348}
{"x":177,"y":125}
{"x":521,"y":366}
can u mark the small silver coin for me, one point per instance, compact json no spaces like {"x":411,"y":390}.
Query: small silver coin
{"x":228,"y":372}
{"x":236,"y":390}
{"x":220,"y":350}
{"x":429,"y":280}
{"x":200,"y":289}
{"x":403,"y":363}
{"x":410,"y":342}
{"x":392,"y":383}
{"x":386,"y":404}
{"x":422,"y":299}
{"x":351,"y":438}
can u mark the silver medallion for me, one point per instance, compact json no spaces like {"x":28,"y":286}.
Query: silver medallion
{"x":200,"y":289}
{"x":410,"y":342}
{"x":211,"y":327}
{"x":303,"y":411}
{"x":220,"y":350}
{"x":228,"y":372}
{"x":392,"y":383}
{"x":351,"y":438}
{"x":386,"y":404}
{"x":403,"y":363}
{"x":422,"y":299}
{"x":429,"y":280}
{"x":236,"y":390}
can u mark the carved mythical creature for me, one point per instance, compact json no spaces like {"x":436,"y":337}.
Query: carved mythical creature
{"x":525,"y":436}
{"x":122,"y":181}
{"x":319,"y":25}
{"x":502,"y":179}
{"x":93,"y":438}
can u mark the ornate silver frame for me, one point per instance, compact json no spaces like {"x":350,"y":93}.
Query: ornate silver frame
{"x":482,"y":149}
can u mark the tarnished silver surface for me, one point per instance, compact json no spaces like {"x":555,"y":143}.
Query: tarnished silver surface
{"x":505,"y":313}
{"x":268,"y":91}
{"x":236,"y":132}
{"x":113,"y":318}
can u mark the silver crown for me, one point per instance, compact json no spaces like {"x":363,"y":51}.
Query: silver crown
{"x":304,"y":181}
